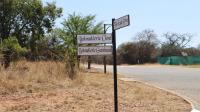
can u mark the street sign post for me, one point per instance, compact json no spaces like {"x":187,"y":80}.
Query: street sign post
{"x":95,"y":50}
{"x":121,"y":22}
{"x":104,"y":50}
{"x":94,"y":38}
{"x":104,"y":57}
{"x":117,"y":24}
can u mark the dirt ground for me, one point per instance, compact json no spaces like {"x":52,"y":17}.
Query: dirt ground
{"x":194,"y":66}
{"x":91,"y":92}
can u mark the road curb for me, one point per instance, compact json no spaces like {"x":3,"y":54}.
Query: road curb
{"x":170,"y":91}
{"x":152,"y":85}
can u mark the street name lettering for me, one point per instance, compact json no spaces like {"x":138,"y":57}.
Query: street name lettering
{"x":121,"y":22}
{"x":94,"y":38}
{"x":96,"y":50}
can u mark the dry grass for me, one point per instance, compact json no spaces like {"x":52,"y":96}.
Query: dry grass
{"x":44,"y":87}
{"x":26,"y":76}
{"x":193,"y":66}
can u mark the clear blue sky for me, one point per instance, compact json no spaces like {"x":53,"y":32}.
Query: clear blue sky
{"x":181,"y":16}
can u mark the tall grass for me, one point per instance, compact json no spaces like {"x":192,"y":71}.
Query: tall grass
{"x":23,"y":75}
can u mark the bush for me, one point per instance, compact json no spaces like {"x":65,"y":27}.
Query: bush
{"x":11,"y":51}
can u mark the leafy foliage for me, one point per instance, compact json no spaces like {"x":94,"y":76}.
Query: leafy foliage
{"x":28,"y":21}
{"x":11,"y":51}
{"x":73,"y":25}
{"x":11,"y":44}
{"x":136,"y":52}
{"x":127,"y":53}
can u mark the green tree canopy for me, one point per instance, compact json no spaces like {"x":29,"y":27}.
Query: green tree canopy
{"x":77,"y":24}
{"x":73,"y":25}
{"x":27,"y":20}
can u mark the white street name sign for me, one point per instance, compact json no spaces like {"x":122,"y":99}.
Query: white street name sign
{"x":96,"y":50}
{"x":121,"y":22}
{"x":94,"y":38}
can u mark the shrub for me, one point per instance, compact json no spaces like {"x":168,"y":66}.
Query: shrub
{"x":11,"y":51}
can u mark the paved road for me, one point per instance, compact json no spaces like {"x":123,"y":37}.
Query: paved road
{"x":182,"y":80}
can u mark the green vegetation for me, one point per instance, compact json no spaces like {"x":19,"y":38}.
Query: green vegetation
{"x":27,"y":31}
{"x":28,"y":21}
{"x":64,"y":39}
{"x":12,"y":50}
{"x":146,"y":48}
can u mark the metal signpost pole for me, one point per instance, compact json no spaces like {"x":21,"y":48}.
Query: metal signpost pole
{"x":104,"y":50}
{"x":114,"y":66}
{"x":89,"y":62}
{"x":104,"y":57}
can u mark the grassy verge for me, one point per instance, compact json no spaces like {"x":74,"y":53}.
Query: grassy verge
{"x":44,"y":86}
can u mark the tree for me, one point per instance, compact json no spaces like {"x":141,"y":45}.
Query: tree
{"x":53,"y":46}
{"x":73,"y":25}
{"x":28,"y":21}
{"x":127,"y":53}
{"x":7,"y":15}
{"x":176,"y":39}
{"x":146,"y":45}
{"x":40,"y":20}
{"x":147,"y":35}
{"x":192,"y":51}
{"x":12,"y":50}
{"x":174,"y":44}
{"x":141,"y":50}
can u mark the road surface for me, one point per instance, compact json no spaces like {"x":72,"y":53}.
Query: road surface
{"x":182,"y":80}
